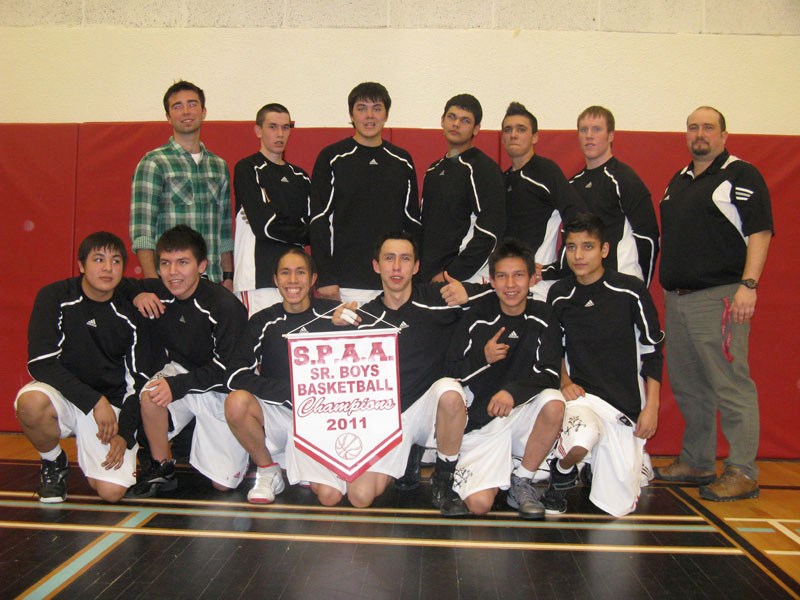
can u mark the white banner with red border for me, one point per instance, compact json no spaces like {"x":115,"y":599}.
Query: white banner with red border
{"x":345,"y":397}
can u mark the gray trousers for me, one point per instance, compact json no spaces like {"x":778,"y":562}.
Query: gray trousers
{"x":704,"y":382}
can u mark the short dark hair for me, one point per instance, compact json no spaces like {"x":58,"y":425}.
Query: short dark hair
{"x":466,"y":102}
{"x":394,"y":235}
{"x":722,"y":125}
{"x":518,"y":109}
{"x":311,"y":265}
{"x":369,"y":90}
{"x":268,"y":108}
{"x":588,"y":222}
{"x":181,"y":86}
{"x":598,"y":111}
{"x":512,"y":248}
{"x":182,"y":237}
{"x":101,"y":240}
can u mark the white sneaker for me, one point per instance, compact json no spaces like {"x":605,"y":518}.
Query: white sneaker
{"x":269,"y":483}
{"x":647,"y":471}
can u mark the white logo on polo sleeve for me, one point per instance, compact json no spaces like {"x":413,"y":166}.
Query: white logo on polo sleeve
{"x":742,"y":194}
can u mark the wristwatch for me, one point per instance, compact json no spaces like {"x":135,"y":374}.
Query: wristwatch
{"x":749,"y":283}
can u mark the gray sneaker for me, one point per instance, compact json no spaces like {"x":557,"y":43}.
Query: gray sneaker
{"x":524,"y":497}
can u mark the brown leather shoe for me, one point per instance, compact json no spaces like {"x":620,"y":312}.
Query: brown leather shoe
{"x":733,"y":484}
{"x":680,"y":471}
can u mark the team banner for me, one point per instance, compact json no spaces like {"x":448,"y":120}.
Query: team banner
{"x":346,"y":397}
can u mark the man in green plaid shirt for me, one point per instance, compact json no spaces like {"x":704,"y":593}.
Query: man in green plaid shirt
{"x":183,"y":183}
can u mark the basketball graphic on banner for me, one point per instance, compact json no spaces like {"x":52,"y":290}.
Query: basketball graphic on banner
{"x":348,"y":446}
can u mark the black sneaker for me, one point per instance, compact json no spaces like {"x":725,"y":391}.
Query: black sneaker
{"x":53,"y":480}
{"x":160,"y":477}
{"x":445,"y":498}
{"x":411,"y":478}
{"x":523,"y":496}
{"x":555,"y":498}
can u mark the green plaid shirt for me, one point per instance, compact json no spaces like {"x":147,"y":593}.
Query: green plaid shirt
{"x":169,"y":188}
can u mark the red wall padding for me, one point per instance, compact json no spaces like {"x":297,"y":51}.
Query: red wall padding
{"x":37,"y":183}
{"x":82,"y":184}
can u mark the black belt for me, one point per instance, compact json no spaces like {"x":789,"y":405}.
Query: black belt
{"x":684,"y":291}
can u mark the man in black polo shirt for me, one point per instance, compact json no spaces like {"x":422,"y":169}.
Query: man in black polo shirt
{"x":716,"y":223}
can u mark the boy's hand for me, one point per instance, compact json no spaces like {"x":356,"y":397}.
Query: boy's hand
{"x":116,"y":453}
{"x":106,"y":420}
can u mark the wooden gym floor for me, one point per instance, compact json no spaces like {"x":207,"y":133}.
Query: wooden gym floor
{"x":199,"y":543}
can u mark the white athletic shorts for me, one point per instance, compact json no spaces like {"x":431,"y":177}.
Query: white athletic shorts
{"x":256,"y":300}
{"x":418,"y":423}
{"x":487,"y":454}
{"x":357,"y":295}
{"x":277,"y":428}
{"x":216,"y":452}
{"x":91,"y":451}
{"x":616,"y":455}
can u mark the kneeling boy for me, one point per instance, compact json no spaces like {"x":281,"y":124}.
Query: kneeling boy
{"x":259,"y":409}
{"x":604,"y":329}
{"x":495,"y":345}
{"x":196,"y":336}
{"x":84,"y":350}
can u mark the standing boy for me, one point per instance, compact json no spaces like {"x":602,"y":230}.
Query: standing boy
{"x":538,"y":196}
{"x":615,"y":193}
{"x":463,"y":201}
{"x":361,"y":186}
{"x":272,"y":209}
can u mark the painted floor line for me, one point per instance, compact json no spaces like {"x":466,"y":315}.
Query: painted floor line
{"x":126,"y":506}
{"x":382,"y":541}
{"x":62,"y":575}
{"x":396,"y":520}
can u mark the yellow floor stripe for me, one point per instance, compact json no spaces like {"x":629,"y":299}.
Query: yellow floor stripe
{"x":785,"y":530}
{"x":761,"y":519}
{"x":247,"y":535}
{"x":348,"y":509}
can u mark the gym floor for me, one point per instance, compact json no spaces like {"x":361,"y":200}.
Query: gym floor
{"x":200,"y":543}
